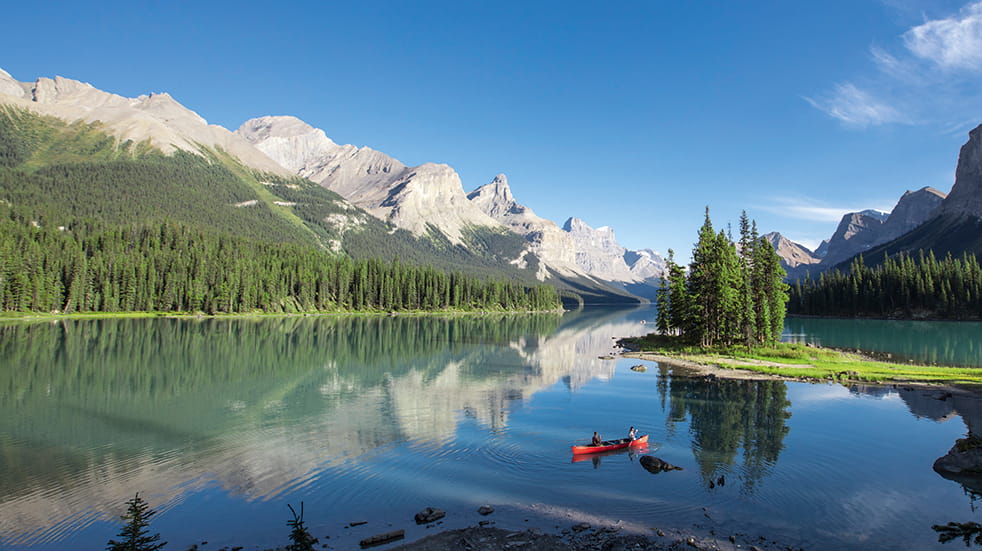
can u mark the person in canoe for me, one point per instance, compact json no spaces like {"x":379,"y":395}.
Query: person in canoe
{"x":632,"y":434}
{"x":596,"y":439}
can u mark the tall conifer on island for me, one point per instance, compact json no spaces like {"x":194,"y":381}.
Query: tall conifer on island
{"x":732,"y":293}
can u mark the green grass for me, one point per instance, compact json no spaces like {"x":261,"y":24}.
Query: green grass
{"x":799,"y":361}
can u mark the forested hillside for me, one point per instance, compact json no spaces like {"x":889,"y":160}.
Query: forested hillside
{"x":91,"y":224}
{"x":902,"y":286}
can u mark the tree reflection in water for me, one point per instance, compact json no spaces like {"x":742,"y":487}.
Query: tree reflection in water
{"x":726,"y":416}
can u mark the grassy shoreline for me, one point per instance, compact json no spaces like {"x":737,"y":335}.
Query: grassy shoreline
{"x":799,"y":362}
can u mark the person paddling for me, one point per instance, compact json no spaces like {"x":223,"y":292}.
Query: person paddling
{"x":632,"y":434}
{"x":596,"y":439}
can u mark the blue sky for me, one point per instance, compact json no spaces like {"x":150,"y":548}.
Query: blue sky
{"x":634,"y":115}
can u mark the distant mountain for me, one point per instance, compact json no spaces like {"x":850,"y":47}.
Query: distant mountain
{"x":553,"y":246}
{"x":965,"y":198}
{"x":857,"y":232}
{"x":599,"y":254}
{"x":792,"y":254}
{"x":366,"y":204}
{"x":413,"y":198}
{"x":155,"y":118}
{"x":863,"y":233}
{"x":956,"y":225}
{"x":913,"y":209}
{"x":428,"y":200}
{"x":149,"y":160}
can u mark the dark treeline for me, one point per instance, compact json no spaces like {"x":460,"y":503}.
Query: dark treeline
{"x":171,"y":268}
{"x":900,"y":287}
{"x":733,"y":293}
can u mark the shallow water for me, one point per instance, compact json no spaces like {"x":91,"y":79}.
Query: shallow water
{"x":219,"y":424}
{"x":949,"y":343}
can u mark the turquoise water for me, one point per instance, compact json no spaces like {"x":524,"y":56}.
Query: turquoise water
{"x":219,"y":424}
{"x":950,"y":343}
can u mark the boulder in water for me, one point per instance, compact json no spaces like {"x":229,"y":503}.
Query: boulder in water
{"x":655,"y":465}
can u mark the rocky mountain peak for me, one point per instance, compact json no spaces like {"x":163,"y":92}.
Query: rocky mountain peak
{"x":913,"y":209}
{"x":411,"y":198}
{"x":496,"y":200}
{"x":857,"y":232}
{"x":792,"y":254}
{"x":281,"y":126}
{"x":966,"y":193}
{"x":597,"y":251}
{"x":157,"y":118}
{"x":292,"y":143}
{"x":11,"y":87}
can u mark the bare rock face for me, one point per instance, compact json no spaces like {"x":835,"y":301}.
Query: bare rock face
{"x":857,"y":232}
{"x":10,"y":87}
{"x":861,"y":231}
{"x":553,"y":246}
{"x":913,"y":209}
{"x":792,"y":254}
{"x":966,"y":193}
{"x":597,"y":251}
{"x":156,"y":118}
{"x":412,"y":198}
{"x":600,"y":255}
{"x":645,"y":264}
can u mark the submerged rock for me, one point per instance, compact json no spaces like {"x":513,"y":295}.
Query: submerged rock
{"x":655,"y":465}
{"x":430,"y":514}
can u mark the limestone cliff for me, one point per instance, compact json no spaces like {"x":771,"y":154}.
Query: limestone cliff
{"x":412,"y":198}
{"x":554,"y":247}
{"x":792,"y":254}
{"x":965,"y":198}
{"x":598,"y":253}
{"x":913,"y":209}
{"x":156,"y":118}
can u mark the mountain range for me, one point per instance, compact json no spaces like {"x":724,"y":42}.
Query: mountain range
{"x":424,"y":207}
{"x":370,"y":203}
{"x":923,"y":220}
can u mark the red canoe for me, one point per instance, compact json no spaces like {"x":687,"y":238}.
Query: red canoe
{"x":608,"y":445}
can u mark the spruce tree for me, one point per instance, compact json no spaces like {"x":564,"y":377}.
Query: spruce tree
{"x":135,"y":535}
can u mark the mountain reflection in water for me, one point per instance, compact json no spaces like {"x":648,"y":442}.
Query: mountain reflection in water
{"x":94,"y":410}
{"x":220,"y":422}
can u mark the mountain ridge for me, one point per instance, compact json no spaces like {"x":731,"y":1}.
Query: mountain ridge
{"x":156,"y":118}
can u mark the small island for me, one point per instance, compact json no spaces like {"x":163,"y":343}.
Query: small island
{"x":794,"y":362}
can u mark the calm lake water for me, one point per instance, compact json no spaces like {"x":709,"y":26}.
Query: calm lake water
{"x":951,"y":343}
{"x":219,"y":424}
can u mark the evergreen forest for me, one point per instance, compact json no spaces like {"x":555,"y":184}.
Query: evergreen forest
{"x":92,"y":224}
{"x":902,"y":286}
{"x":733,"y":292}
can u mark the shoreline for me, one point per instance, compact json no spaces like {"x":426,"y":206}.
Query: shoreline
{"x":43,"y":316}
{"x":799,"y":362}
{"x":703,"y":369}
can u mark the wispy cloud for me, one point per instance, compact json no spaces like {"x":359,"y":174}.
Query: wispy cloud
{"x":856,"y":107}
{"x":952,"y":43}
{"x":812,"y":210}
{"x":929,"y":76}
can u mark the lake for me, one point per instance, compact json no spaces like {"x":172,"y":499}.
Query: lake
{"x":221,"y":423}
{"x":950,"y":343}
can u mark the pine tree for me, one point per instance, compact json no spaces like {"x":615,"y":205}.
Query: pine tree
{"x":299,"y":535}
{"x":134,"y":536}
